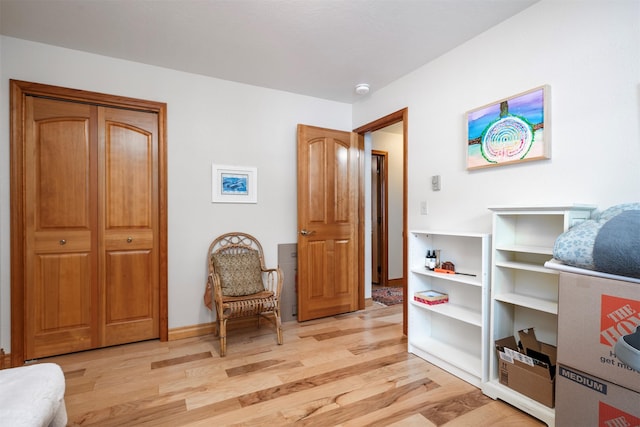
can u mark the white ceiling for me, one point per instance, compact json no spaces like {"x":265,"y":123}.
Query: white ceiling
{"x":320,"y":48}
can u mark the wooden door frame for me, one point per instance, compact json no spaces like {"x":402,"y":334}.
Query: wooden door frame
{"x":390,"y":119}
{"x":19,"y":90}
{"x":384,"y":222}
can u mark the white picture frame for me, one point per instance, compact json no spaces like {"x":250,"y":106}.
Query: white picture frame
{"x":234,"y":184}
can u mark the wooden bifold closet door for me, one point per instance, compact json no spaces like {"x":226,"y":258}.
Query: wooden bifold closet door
{"x":91,"y":222}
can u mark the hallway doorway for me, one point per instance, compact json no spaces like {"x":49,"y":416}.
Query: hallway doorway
{"x":379,"y":244}
{"x":394,"y":126}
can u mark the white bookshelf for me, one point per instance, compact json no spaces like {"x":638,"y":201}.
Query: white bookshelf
{"x":524,"y":293}
{"x":452,"y":335}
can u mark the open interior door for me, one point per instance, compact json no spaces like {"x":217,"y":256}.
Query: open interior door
{"x":330,"y":260}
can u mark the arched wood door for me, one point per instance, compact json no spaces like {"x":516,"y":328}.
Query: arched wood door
{"x":330,"y":262}
{"x":88,"y":200}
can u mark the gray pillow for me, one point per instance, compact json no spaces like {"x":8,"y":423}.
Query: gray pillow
{"x":575,"y":247}
{"x":617,"y":246}
{"x":240,"y":274}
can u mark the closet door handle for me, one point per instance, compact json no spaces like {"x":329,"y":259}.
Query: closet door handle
{"x":63,"y":242}
{"x":129,"y":239}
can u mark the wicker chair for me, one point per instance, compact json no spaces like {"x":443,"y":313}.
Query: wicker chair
{"x":240,"y":284}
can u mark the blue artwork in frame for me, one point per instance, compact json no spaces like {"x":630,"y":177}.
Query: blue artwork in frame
{"x":234,"y":184}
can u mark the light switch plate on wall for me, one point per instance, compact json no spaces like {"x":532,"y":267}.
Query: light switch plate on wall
{"x":435,"y":182}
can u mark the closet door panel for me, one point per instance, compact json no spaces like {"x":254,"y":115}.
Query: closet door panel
{"x":129,"y":300}
{"x":129,"y":224}
{"x":62,"y":168}
{"x":129,"y":176}
{"x":61,"y":276}
{"x":61,"y":318}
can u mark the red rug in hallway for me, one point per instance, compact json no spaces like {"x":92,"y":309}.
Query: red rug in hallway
{"x":387,"y":295}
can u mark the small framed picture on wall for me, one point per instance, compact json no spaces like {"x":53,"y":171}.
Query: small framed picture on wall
{"x":234,"y":184}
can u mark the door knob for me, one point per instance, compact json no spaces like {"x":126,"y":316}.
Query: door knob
{"x":307,"y":232}
{"x":129,"y":239}
{"x":63,"y":242}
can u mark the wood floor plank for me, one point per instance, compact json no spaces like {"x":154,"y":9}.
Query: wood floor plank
{"x":148,"y":416}
{"x":103,"y":402}
{"x":316,"y":380}
{"x":262,"y":366}
{"x":78,"y":373}
{"x":351,"y":331}
{"x":363,"y":348}
{"x":444,"y":411}
{"x":178,"y":360}
{"x":414,"y":420}
{"x":354,"y":410}
{"x":79,"y":386}
{"x":494,"y":414}
{"x":401,"y":409}
{"x":316,"y":361}
{"x":310,"y":332}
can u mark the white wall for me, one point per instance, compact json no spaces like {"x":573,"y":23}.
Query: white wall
{"x":209,"y":120}
{"x":587,"y":51}
{"x":392,"y":143}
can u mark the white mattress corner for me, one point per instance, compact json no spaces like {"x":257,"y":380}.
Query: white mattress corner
{"x":33,"y":395}
{"x":554,"y":264}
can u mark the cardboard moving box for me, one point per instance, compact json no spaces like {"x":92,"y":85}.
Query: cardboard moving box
{"x":593,"y":314}
{"x":588,"y":401}
{"x":531,"y":371}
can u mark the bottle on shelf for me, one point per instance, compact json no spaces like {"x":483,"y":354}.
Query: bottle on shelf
{"x":432,"y":260}
{"x":427,"y":260}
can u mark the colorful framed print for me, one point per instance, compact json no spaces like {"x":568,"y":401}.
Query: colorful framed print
{"x":511,"y":130}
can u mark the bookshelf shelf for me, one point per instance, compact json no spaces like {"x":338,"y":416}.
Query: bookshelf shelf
{"x":463,"y":314}
{"x":524,"y":293}
{"x":451,"y":335}
{"x":451,"y":358}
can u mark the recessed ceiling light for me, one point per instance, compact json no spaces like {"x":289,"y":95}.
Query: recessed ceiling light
{"x":362,"y":89}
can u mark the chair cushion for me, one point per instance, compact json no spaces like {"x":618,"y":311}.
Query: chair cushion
{"x":250,"y":297}
{"x":240,"y":274}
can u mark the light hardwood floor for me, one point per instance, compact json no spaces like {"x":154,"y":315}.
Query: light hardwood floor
{"x":348,"y":370}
